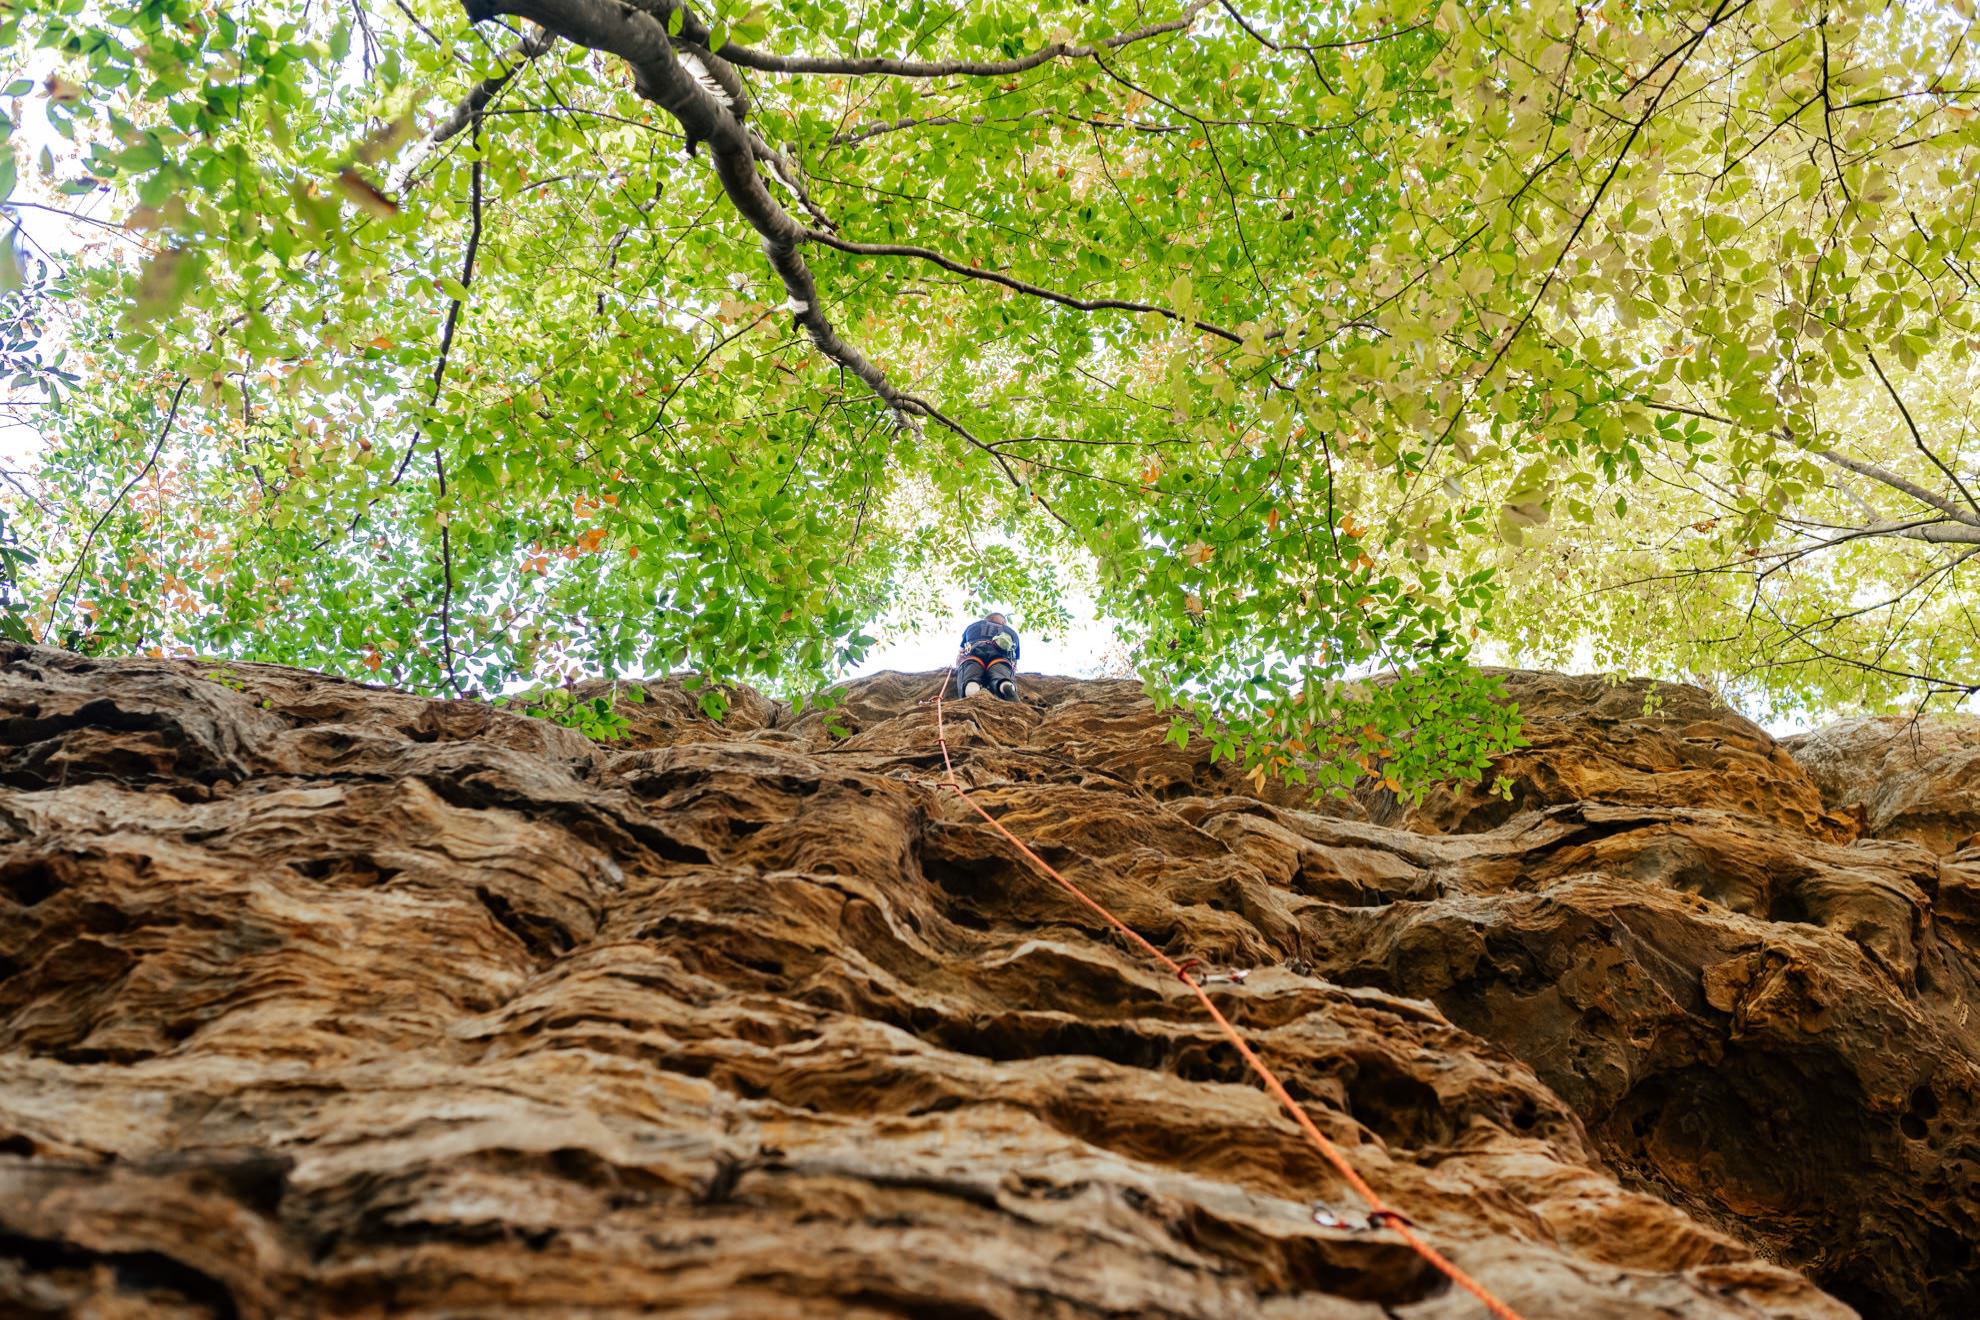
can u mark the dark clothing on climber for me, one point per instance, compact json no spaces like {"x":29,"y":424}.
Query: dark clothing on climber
{"x":988,"y":659}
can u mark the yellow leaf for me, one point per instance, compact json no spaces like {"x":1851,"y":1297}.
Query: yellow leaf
{"x":386,"y":140}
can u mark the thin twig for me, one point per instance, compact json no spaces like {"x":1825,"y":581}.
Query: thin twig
{"x":82,"y":557}
{"x":955,"y":267}
{"x":1918,"y":439}
{"x":447,"y":577}
{"x":750,"y":58}
{"x":454,"y":305}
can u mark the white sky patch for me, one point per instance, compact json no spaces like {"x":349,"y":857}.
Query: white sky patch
{"x":53,"y":229}
{"x":1087,"y":650}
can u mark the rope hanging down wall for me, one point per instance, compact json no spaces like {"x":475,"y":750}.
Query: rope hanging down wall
{"x":1380,"y":1213}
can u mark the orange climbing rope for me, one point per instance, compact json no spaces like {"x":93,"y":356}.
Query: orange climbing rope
{"x":1380,"y":1213}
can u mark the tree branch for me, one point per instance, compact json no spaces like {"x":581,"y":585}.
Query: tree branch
{"x":963,"y":431}
{"x":639,"y":37}
{"x":447,"y":579}
{"x":1934,"y":531}
{"x":1859,"y":466}
{"x":763,"y":61}
{"x":1310,"y":47}
{"x":1581,"y":222}
{"x":82,"y":557}
{"x":1216,"y":157}
{"x":851,"y":136}
{"x":1898,"y":483}
{"x":477,"y":100}
{"x":1011,"y":282}
{"x":1829,"y":110}
{"x":1918,"y":439}
{"x":454,"y":306}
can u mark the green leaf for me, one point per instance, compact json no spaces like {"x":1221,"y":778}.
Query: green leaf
{"x":1469,"y":376}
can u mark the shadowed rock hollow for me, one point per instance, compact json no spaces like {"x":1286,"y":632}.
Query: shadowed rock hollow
{"x":317,"y":999}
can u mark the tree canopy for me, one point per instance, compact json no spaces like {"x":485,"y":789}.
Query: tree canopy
{"x":468,"y":343}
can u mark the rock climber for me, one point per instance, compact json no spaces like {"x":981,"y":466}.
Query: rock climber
{"x":988,"y":658}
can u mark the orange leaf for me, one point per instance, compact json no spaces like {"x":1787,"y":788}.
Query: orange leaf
{"x":364,"y":194}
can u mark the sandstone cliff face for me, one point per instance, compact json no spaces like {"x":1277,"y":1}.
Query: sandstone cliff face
{"x":322,"y":1000}
{"x":1901,"y":778}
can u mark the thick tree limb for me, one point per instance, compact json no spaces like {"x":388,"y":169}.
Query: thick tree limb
{"x":1935,"y":531}
{"x":1898,"y":483}
{"x":639,"y":37}
{"x":484,"y":91}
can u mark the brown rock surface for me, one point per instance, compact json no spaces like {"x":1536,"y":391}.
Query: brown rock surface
{"x":1593,"y":739}
{"x":1908,"y":779}
{"x":322,"y":1000}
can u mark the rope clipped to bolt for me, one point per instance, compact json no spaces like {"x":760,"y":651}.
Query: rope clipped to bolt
{"x":1381,"y":1215}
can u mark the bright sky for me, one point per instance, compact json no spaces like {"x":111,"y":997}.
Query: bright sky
{"x":44,"y":234}
{"x":1080,"y":652}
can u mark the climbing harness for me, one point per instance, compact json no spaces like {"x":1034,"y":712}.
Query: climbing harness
{"x":1381,"y":1215}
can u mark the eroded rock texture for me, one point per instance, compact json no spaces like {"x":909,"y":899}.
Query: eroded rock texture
{"x":320,"y":1000}
{"x":1916,"y":779}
